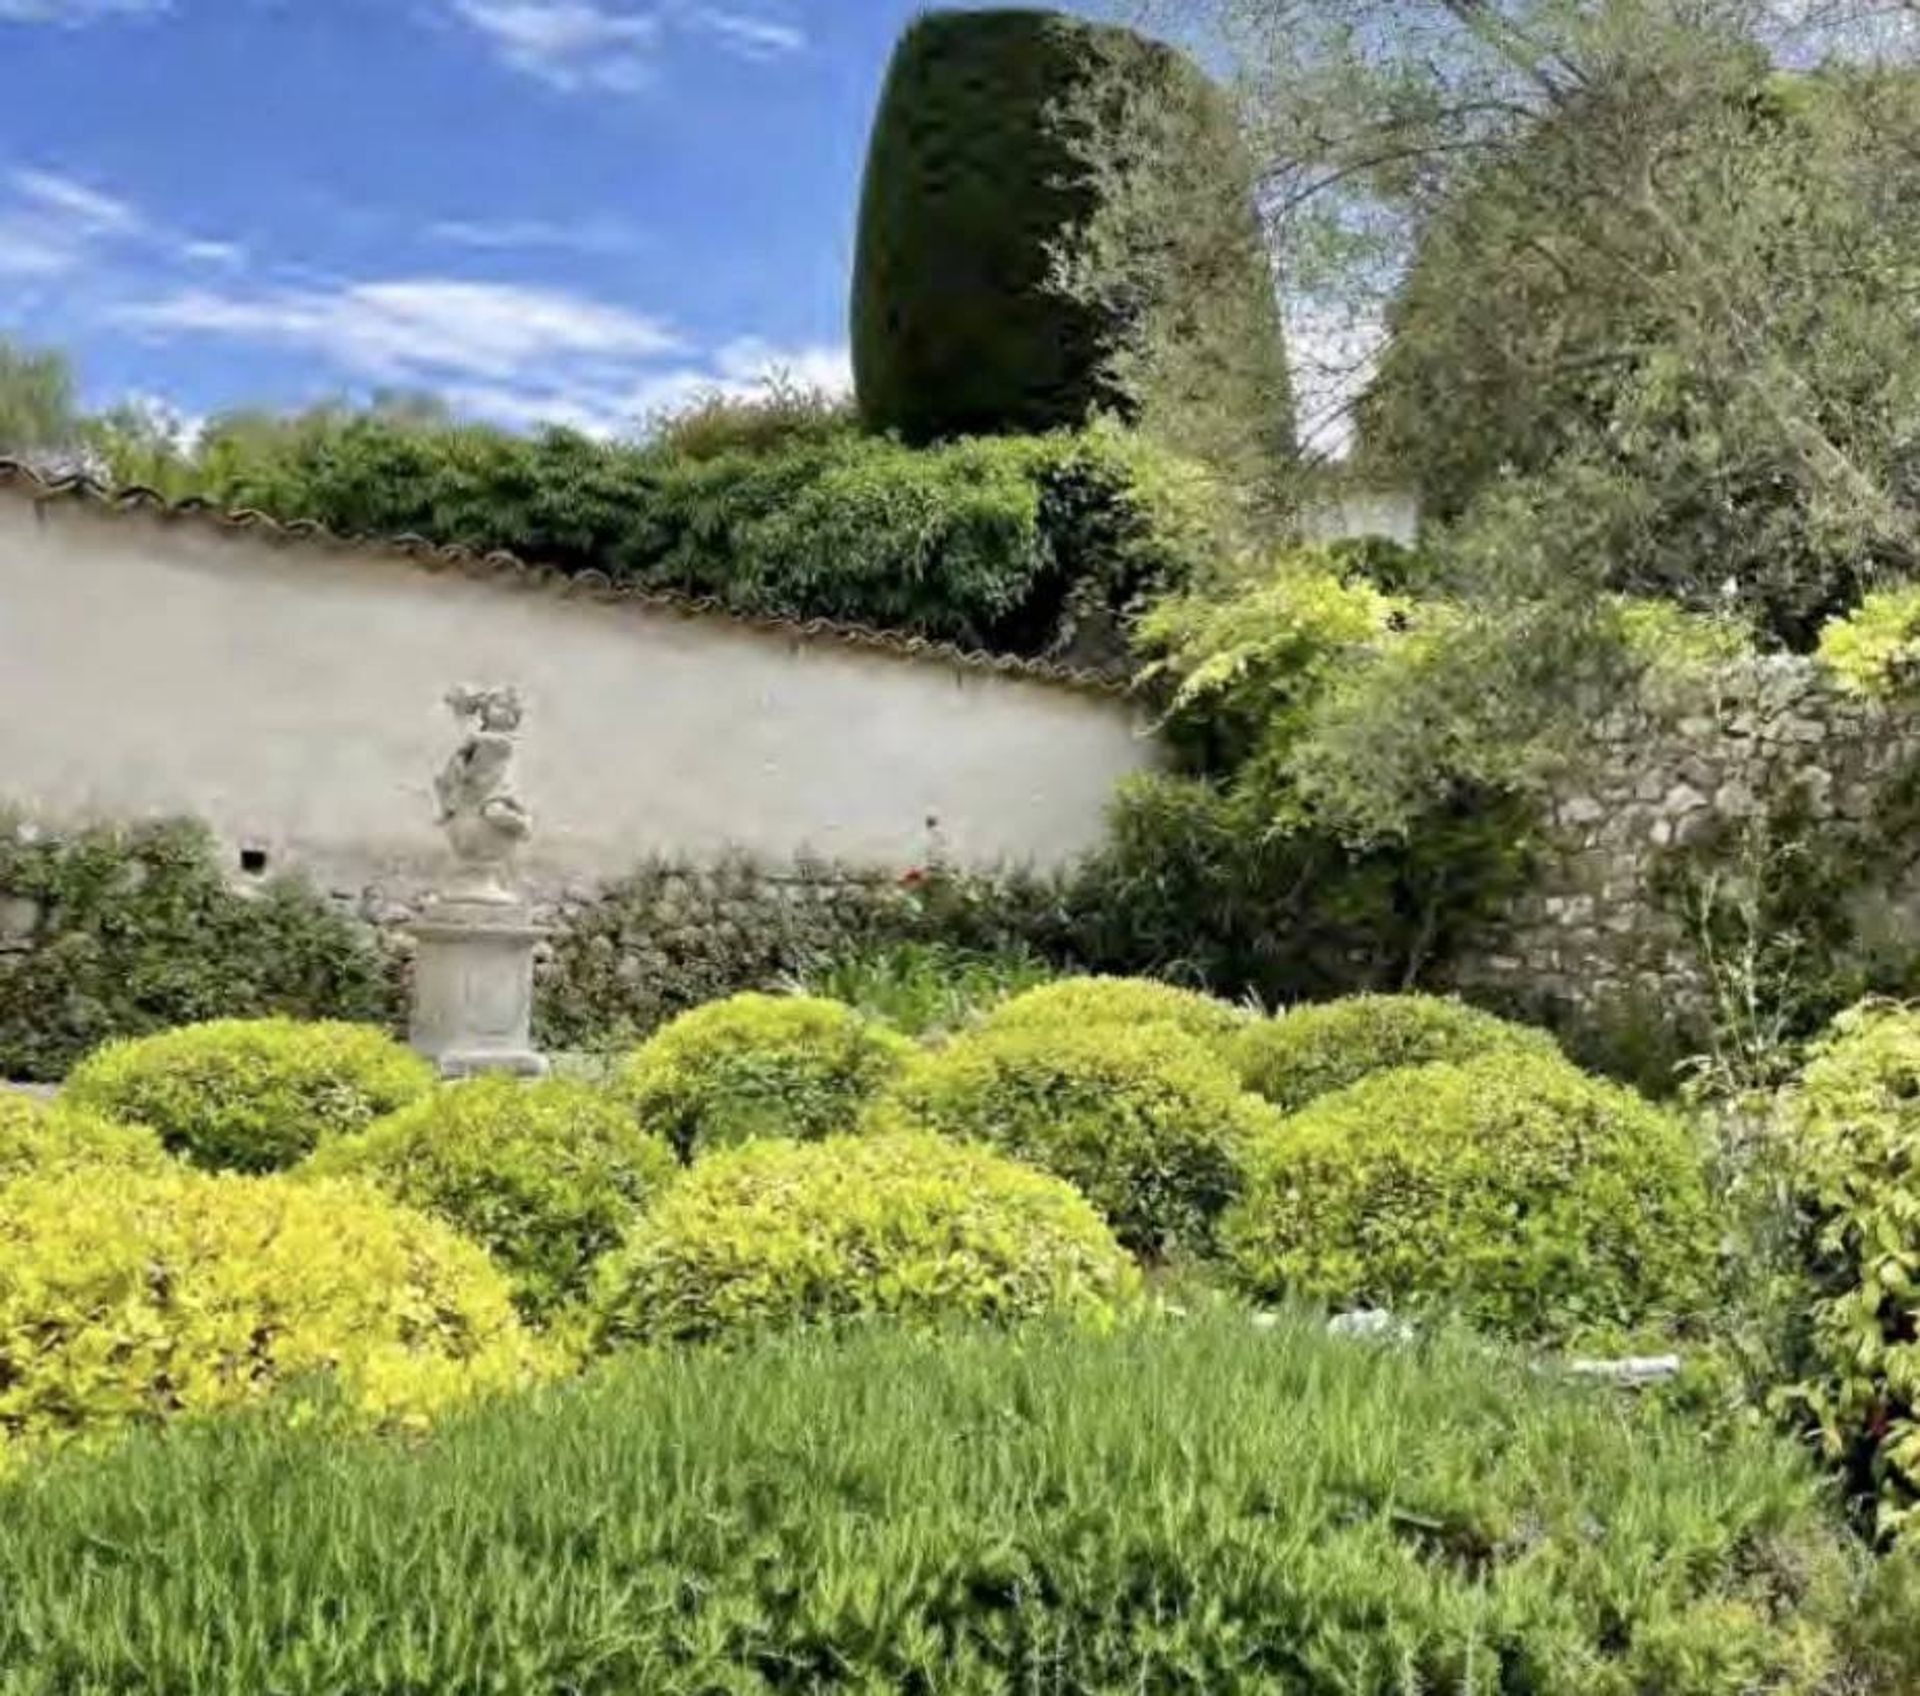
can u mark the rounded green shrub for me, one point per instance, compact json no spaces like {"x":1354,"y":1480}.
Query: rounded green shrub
{"x":251,"y":1095}
{"x":1313,"y":1050}
{"x":1146,"y":1122}
{"x":1512,"y":1190}
{"x":546,"y":1176}
{"x":1085,"y":1002}
{"x":1852,"y":1124}
{"x":129,"y":1297}
{"x":759,"y":1066}
{"x":38,"y":1140}
{"x":906,"y":1226}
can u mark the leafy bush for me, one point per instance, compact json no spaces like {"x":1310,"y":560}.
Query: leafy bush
{"x":1853,"y":1124}
{"x":1311,"y":1051}
{"x":759,"y":1066}
{"x":137,"y":1297}
{"x":546,"y":1176}
{"x":1174,"y":1510}
{"x":1533,"y":1201}
{"x":38,"y":1141}
{"x":1875,"y":649}
{"x":1004,"y":544}
{"x":1081,"y":1003}
{"x":906,"y":1226}
{"x":1145,"y":1121}
{"x":927,"y":988}
{"x":251,"y":1095}
{"x":135,"y":930}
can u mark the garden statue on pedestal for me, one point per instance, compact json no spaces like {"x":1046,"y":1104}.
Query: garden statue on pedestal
{"x":473,"y":969}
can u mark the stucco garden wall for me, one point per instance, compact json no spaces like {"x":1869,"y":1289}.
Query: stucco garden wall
{"x":287,"y":690}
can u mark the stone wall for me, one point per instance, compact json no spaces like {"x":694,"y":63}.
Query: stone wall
{"x":285,"y":687}
{"x":1602,"y":924}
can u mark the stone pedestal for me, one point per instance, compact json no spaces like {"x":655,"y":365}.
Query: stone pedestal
{"x":473,"y":989}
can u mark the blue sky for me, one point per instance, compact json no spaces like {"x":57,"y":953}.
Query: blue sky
{"x":568,"y":210}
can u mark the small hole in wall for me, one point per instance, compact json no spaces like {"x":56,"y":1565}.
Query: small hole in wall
{"x":253,"y":861}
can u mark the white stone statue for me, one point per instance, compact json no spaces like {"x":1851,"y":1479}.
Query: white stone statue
{"x":484,"y":820}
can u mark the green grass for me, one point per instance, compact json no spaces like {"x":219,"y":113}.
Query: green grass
{"x":928,"y":989}
{"x":1194,"y":1508}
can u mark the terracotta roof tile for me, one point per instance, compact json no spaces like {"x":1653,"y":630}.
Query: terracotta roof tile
{"x":502,"y":566}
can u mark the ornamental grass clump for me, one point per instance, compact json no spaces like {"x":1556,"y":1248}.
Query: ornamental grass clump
{"x":251,"y":1095}
{"x":906,"y":1227}
{"x":546,"y":1176}
{"x":1077,"y":1003}
{"x":40,"y":1140}
{"x":1852,"y":1140}
{"x":136,"y":1298}
{"x":1191,"y":1509}
{"x":759,"y":1066}
{"x":1146,"y":1122}
{"x":1313,"y":1050}
{"x":1513,"y":1190}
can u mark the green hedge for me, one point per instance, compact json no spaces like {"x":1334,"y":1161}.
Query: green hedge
{"x":1193,"y":1511}
{"x":1014,"y":545}
{"x":121,"y":932}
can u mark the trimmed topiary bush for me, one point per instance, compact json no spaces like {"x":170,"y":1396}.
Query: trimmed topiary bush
{"x":975,"y":179}
{"x":1145,"y":1121}
{"x":1513,"y":1190}
{"x":905,"y":1226}
{"x":251,"y":1095}
{"x":130,"y":1297}
{"x":1080,"y":1003}
{"x":37,"y":1140}
{"x":759,"y":1066}
{"x":1197,"y":1509}
{"x":1853,"y":1142}
{"x":1311,"y":1051}
{"x":546,"y":1176}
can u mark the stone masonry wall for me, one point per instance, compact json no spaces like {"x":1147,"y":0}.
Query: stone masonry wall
{"x":1596,"y":928}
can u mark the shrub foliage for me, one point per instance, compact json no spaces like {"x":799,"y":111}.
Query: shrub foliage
{"x":38,"y":1140}
{"x":906,"y":1226}
{"x":1146,"y":1122}
{"x":130,"y":1297}
{"x":1313,"y":1050}
{"x":251,"y":1095}
{"x":1081,"y":1003}
{"x":546,"y":1176}
{"x":135,"y":930}
{"x":1513,"y":1190}
{"x":1854,"y":1137}
{"x":1185,"y":1509}
{"x":759,"y":1066}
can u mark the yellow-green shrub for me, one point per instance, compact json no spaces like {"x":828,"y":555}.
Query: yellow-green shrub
{"x":37,"y":1140}
{"x":1852,"y":1124}
{"x":546,"y":1176}
{"x":1513,"y":1190}
{"x":759,"y":1066}
{"x":1148,"y":1123}
{"x":1875,"y":649}
{"x":251,"y":1095}
{"x":1313,"y":1050}
{"x":137,"y":1297}
{"x":906,"y":1226}
{"x":1082,"y":1002}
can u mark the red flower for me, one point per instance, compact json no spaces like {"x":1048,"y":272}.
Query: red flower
{"x":913,"y":877}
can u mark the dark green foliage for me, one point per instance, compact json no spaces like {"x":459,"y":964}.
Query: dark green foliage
{"x":976,"y":179}
{"x":135,"y":930}
{"x":1009,"y":545}
{"x":1201,"y":1510}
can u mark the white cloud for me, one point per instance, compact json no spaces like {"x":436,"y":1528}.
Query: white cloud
{"x":51,"y":224}
{"x":570,"y":44}
{"x":754,"y":37}
{"x":223,"y":255}
{"x":591,"y":235}
{"x":73,"y":12}
{"x":424,"y":330}
{"x":73,"y":203}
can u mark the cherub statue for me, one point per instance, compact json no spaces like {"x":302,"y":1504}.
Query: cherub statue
{"x":484,"y":821}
